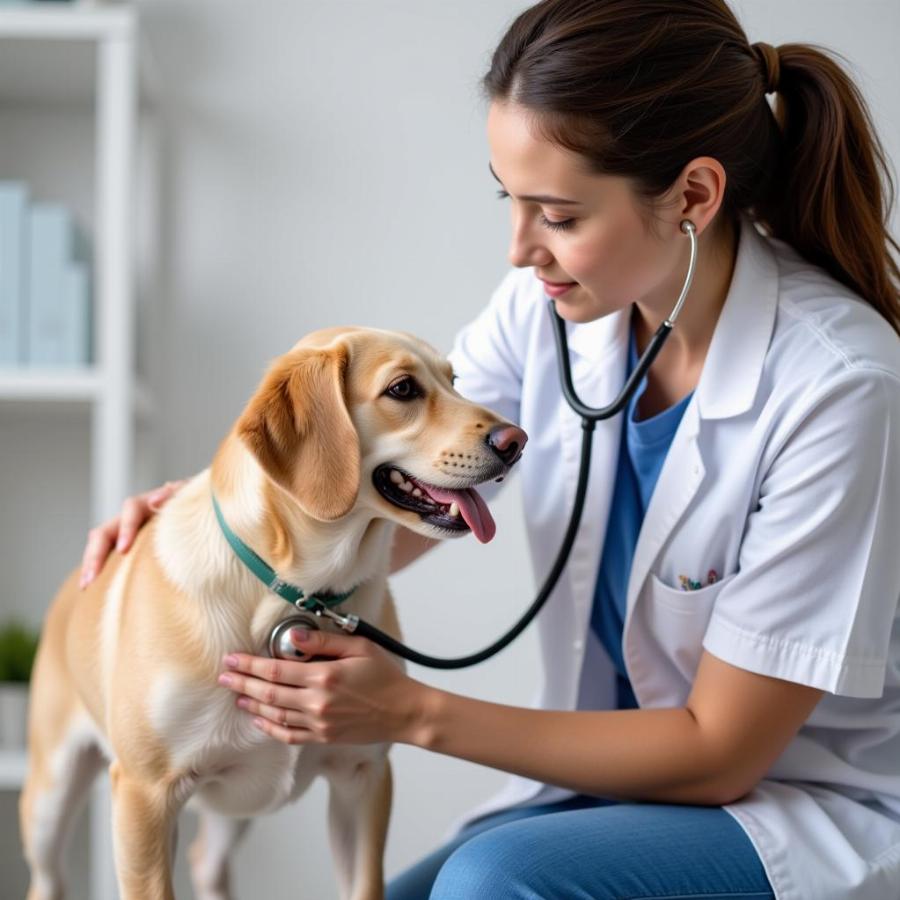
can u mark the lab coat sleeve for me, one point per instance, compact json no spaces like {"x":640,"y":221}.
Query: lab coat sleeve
{"x":816,"y":592}
{"x":486,"y":358}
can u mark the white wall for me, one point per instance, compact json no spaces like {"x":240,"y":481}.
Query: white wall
{"x":325,"y":163}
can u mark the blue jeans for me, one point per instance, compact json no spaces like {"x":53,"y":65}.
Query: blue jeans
{"x":586,"y":848}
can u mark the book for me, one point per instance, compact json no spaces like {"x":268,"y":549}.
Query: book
{"x":54,"y":244}
{"x":13,"y":234}
{"x":75,"y":344}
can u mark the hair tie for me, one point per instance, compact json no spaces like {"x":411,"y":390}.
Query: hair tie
{"x":770,"y":62}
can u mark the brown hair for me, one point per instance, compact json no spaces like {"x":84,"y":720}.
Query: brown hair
{"x":640,"y":87}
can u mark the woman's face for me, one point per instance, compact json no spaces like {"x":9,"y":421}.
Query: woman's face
{"x":579,"y":228}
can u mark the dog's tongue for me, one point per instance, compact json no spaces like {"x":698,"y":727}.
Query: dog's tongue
{"x":473,"y":509}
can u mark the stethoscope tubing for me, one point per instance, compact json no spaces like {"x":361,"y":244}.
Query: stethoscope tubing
{"x":589,"y":418}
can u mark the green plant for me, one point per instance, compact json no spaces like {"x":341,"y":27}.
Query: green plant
{"x":18,"y":645}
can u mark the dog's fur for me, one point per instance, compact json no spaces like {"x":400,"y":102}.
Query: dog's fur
{"x":126,"y":670}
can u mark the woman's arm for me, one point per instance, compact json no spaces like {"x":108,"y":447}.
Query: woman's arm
{"x":710,"y":752}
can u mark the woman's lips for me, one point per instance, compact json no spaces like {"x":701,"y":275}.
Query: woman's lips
{"x":556,"y":290}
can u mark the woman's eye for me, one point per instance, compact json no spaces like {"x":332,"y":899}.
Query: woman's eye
{"x":564,"y":225}
{"x":405,"y":389}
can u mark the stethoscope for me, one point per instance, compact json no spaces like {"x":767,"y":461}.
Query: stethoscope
{"x":280,"y":644}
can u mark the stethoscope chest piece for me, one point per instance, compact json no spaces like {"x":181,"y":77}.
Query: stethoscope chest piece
{"x":280,"y":645}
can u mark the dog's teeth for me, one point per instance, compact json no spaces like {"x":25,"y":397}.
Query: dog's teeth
{"x":396,"y":477}
{"x":454,"y":509}
{"x":416,"y":492}
{"x":405,"y":486}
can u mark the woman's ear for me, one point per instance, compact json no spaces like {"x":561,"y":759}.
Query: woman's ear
{"x":298,"y":427}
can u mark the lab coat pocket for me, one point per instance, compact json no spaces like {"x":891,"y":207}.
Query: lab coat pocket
{"x":667,"y":627}
{"x":687,"y":603}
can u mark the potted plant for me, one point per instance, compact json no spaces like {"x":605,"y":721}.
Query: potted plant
{"x":18,"y":645}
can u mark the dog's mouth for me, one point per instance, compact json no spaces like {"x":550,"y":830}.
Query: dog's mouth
{"x":454,"y":510}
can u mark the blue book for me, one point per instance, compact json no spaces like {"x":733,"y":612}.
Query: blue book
{"x":75,"y":345}
{"x":13,"y":206}
{"x":54,"y":243}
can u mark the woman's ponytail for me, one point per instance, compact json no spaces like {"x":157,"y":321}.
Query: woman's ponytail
{"x":833,"y":188}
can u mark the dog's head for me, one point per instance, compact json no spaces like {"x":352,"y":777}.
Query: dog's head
{"x":356,"y":417}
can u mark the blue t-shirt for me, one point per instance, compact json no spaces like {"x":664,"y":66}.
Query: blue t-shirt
{"x":643,"y":449}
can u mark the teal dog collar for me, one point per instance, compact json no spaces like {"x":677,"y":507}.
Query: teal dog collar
{"x":267,"y":575}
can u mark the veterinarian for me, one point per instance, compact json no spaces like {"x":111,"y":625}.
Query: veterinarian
{"x":720,"y":707}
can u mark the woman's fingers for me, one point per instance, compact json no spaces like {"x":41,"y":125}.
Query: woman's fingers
{"x":285,"y":735}
{"x":266,"y":673}
{"x":276,"y":706}
{"x":99,"y":543}
{"x":134,"y":513}
{"x":157,"y":497}
{"x":120,"y":531}
{"x":286,"y":718}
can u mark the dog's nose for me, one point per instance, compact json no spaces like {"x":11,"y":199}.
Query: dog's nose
{"x":507,"y":442}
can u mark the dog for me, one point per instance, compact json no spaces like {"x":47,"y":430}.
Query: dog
{"x":349,"y":435}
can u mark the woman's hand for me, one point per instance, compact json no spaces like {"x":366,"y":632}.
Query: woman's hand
{"x":358,"y":696}
{"x":121,"y":530}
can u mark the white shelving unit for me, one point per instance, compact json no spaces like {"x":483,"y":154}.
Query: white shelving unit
{"x":48,"y":386}
{"x":73,"y":54}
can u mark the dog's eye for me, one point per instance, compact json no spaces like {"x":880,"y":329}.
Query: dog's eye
{"x":406,"y":388}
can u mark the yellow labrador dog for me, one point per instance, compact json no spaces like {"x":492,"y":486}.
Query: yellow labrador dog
{"x":349,"y":434}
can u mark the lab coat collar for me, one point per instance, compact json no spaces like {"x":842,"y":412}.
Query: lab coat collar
{"x":734,"y":361}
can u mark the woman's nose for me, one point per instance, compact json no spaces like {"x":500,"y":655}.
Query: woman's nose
{"x":524,"y":250}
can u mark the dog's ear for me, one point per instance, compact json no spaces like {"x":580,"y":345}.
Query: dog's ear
{"x":298,"y":427}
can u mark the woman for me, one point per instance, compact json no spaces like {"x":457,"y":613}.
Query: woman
{"x":720,"y":712}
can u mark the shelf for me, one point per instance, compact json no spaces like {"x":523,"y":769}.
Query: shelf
{"x":66,"y":21}
{"x":13,"y":764}
{"x":49,"y":52}
{"x":54,"y":386}
{"x":49,"y":385}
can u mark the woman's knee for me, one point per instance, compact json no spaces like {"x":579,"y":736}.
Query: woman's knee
{"x":492,"y":864}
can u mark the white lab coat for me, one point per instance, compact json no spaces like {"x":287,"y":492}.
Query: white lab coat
{"x":783,"y":477}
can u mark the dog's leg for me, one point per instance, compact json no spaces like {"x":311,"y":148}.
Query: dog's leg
{"x":217,"y":837}
{"x":63,"y":760}
{"x":144,"y":819}
{"x":53,"y":794}
{"x":359,"y":806}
